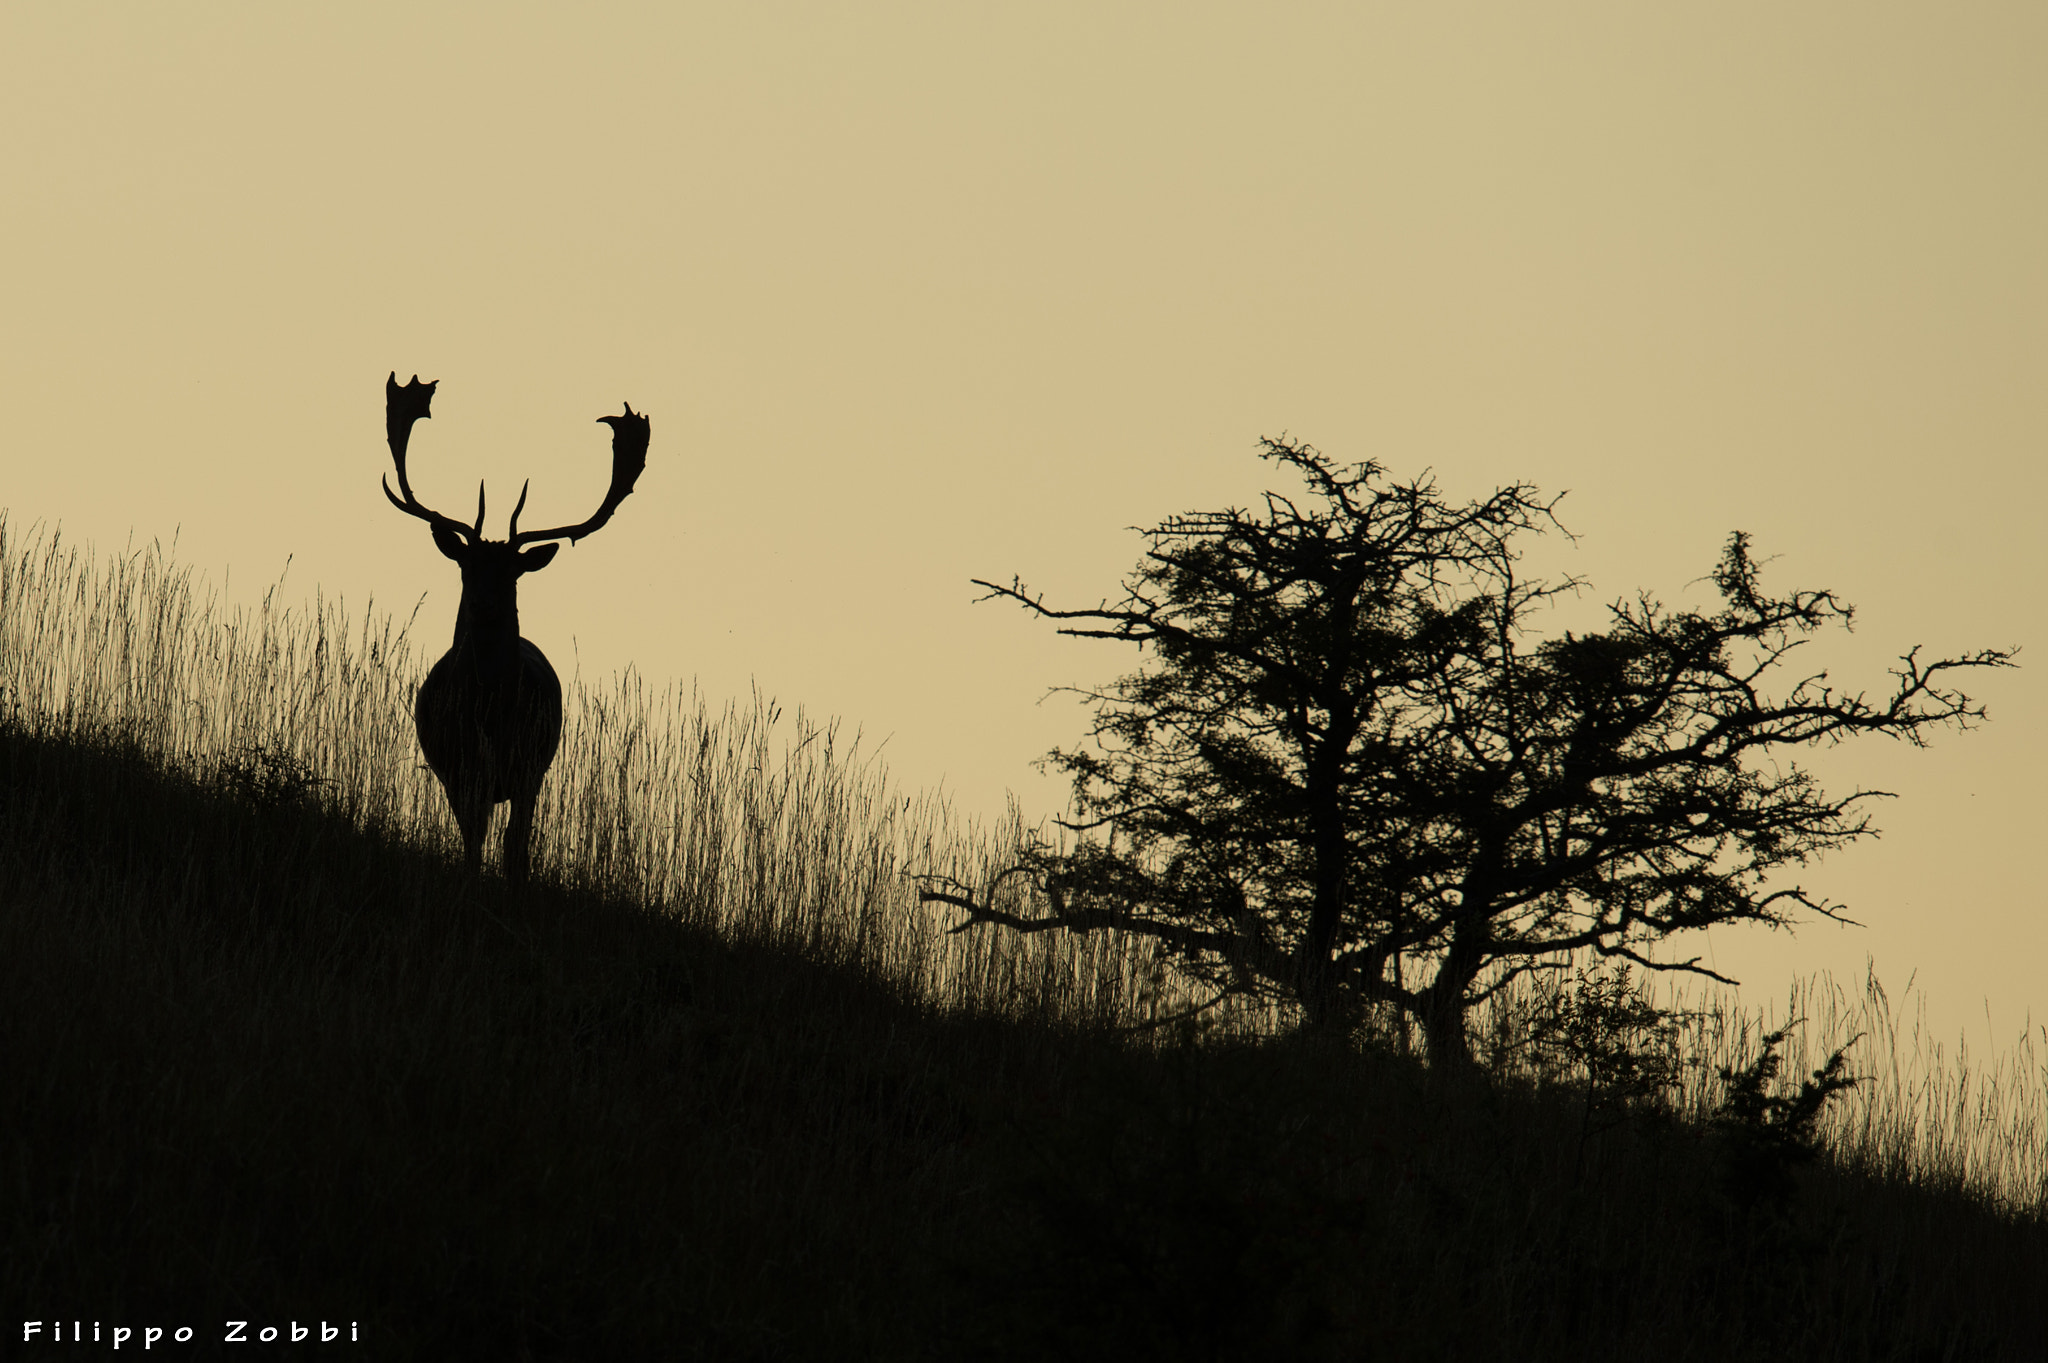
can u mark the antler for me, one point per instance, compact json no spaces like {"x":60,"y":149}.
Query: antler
{"x":403,"y":405}
{"x":629,"y":459}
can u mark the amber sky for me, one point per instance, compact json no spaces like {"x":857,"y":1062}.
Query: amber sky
{"x":919,"y":293}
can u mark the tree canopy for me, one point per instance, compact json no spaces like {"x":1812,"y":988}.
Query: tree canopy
{"x":1348,"y":772}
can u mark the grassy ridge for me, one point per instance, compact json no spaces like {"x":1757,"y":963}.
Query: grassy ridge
{"x":716,"y":1089}
{"x":268,"y":1068}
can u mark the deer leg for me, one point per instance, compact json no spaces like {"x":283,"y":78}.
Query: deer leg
{"x":519,"y":836}
{"x":473,"y":817}
{"x":473,"y":841}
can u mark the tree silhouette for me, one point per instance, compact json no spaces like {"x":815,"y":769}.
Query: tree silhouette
{"x":1349,"y":775}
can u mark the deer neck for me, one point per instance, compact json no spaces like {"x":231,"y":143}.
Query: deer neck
{"x":487,"y":642}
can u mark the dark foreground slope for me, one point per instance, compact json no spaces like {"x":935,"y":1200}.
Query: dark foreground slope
{"x":261,"y":1068}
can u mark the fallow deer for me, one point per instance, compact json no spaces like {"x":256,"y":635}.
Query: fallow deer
{"x":489,"y":714}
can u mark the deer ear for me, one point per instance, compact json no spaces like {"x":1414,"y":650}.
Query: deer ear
{"x":533,"y":560}
{"x":446,"y":541}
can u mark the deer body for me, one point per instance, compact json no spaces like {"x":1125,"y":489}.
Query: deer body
{"x":489,"y":714}
{"x":489,"y":725}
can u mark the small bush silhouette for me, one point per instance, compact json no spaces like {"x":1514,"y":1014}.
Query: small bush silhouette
{"x":1767,"y":1135}
{"x":268,"y":777}
{"x":1610,"y":1038}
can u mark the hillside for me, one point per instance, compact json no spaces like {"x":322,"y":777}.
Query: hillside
{"x":267,"y":1067}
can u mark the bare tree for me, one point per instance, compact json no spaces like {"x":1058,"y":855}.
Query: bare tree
{"x":489,"y":714}
{"x":1350,"y":776}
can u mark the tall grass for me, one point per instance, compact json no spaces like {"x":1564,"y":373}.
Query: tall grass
{"x":746,"y":818}
{"x":131,"y":649}
{"x":1922,"y":1113}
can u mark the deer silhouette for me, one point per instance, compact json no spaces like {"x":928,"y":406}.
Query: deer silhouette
{"x":489,"y":714}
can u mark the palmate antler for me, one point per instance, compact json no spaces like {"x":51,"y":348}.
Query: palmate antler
{"x":402,"y":407}
{"x":630,"y":434}
{"x":405,"y":404}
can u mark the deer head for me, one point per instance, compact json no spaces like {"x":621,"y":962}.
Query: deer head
{"x":489,"y":616}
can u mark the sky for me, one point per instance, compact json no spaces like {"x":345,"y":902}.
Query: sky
{"x":921,"y":293}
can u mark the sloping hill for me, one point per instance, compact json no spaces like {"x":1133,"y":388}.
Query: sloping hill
{"x":264,"y":1067}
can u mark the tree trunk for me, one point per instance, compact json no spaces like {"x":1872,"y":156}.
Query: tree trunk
{"x":1330,"y":850}
{"x":1443,"y":1003}
{"x":1316,"y":988}
{"x":1443,"y":1031}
